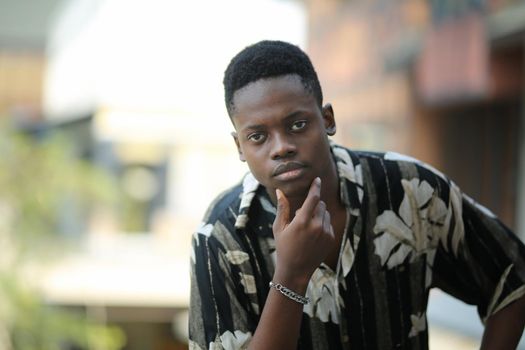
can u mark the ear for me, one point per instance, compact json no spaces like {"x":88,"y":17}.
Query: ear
{"x":329,"y":119}
{"x":239,"y":150}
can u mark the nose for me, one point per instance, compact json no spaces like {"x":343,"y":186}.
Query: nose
{"x":282,"y":147}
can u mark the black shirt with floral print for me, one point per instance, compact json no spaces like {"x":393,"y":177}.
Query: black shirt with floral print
{"x":409,"y":229}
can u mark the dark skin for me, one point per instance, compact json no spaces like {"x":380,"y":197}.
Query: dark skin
{"x":278,"y":123}
{"x":281,"y":133}
{"x":504,"y":329}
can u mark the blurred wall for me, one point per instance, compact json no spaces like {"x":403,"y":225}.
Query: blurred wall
{"x":143,"y":81}
{"x":23,"y":35}
{"x":439,"y":80}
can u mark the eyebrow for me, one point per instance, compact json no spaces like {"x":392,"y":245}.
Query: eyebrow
{"x":258,"y":127}
{"x":253,"y":127}
{"x":294,"y":115}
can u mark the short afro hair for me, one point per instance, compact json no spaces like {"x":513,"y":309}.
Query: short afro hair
{"x":267,"y":59}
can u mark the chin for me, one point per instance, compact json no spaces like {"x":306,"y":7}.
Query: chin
{"x":295,"y":189}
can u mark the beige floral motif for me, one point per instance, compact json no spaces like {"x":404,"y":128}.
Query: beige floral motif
{"x":419,"y":323}
{"x":237,"y":257}
{"x":348,"y":256}
{"x":456,"y":212}
{"x":325,"y":301}
{"x":248,"y":282}
{"x":348,"y":171}
{"x":404,"y":158}
{"x":193,"y":345}
{"x":235,"y":341}
{"x":249,"y":185}
{"x":423,"y":220}
{"x":205,"y":229}
{"x":455,"y":204}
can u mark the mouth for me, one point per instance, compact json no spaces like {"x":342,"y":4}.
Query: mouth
{"x":288,"y":170}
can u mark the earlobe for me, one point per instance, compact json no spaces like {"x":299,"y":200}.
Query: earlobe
{"x":237,"y":144}
{"x":330,"y":131}
{"x":329,"y":119}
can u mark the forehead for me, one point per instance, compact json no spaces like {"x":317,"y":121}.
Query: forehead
{"x":269,"y":94}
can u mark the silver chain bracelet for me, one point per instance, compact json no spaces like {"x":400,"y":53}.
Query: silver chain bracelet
{"x":290,"y":293}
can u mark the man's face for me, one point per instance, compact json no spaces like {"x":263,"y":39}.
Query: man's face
{"x":282,"y":134}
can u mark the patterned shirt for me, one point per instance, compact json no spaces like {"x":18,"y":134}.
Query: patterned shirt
{"x":408,"y":229}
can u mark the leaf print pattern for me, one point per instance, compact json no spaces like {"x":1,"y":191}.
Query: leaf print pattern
{"x":348,"y":256}
{"x":234,"y":252}
{"x":237,"y":340}
{"x":248,"y":283}
{"x":348,"y":170}
{"x":231,"y":341}
{"x":249,"y":185}
{"x":193,"y":345}
{"x":404,"y":158}
{"x":325,"y":301}
{"x":237,"y":257}
{"x":415,"y":230}
{"x":205,"y":229}
{"x":455,"y":211}
{"x":419,"y":323}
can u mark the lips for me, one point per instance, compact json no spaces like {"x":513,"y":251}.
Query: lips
{"x":287,"y":167}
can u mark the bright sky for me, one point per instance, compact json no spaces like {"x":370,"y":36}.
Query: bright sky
{"x":157,"y":54}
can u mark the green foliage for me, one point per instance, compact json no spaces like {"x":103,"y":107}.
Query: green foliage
{"x":34,"y":325}
{"x":38,"y":179}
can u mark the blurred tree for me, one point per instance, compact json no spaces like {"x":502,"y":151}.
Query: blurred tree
{"x":36,"y":178}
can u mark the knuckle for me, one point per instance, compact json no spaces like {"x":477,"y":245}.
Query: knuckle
{"x":301,"y":222}
{"x":317,"y":225}
{"x":316,"y":197}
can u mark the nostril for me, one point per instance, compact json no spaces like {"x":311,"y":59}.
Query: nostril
{"x":283,"y":155}
{"x":282,"y":147}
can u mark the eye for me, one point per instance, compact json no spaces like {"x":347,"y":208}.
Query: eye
{"x":298,"y":125}
{"x":256,"y":137}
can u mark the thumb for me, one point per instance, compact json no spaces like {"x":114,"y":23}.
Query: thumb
{"x":282,"y":217}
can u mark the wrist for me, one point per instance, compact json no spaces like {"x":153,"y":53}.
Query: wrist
{"x":295,"y":282}
{"x":290,"y":294}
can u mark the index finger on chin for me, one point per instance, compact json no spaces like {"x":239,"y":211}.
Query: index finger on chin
{"x":313,"y":197}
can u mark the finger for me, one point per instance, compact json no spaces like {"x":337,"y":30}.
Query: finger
{"x":327,"y":223}
{"x":313,"y":197}
{"x":282,"y":217}
{"x":319,"y":212}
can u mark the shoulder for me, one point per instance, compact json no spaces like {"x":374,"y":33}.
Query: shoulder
{"x":393,"y":164}
{"x":216,"y":232}
{"x":225,"y":207}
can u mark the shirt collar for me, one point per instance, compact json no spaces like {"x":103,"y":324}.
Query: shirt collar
{"x":350,"y":184}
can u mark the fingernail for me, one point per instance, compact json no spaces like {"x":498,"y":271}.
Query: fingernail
{"x":279,"y":194}
{"x":318,"y":180}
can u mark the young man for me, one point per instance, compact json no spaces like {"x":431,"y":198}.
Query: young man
{"x":321,"y":247}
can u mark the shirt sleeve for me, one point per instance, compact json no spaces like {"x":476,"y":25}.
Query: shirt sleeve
{"x":219,"y":318}
{"x":480,"y":260}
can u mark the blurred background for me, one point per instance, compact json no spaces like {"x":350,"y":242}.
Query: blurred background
{"x":114,"y":139}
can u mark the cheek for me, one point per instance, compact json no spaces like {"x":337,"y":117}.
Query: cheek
{"x":256,"y":164}
{"x":316,"y":141}
{"x":259,"y":173}
{"x":260,"y":168}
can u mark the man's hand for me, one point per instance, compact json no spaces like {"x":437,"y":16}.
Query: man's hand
{"x":304,"y":242}
{"x":301,"y":245}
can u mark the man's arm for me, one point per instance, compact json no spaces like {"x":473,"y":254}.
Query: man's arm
{"x":504,"y":329}
{"x":301,"y":245}
{"x":486,"y":267}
